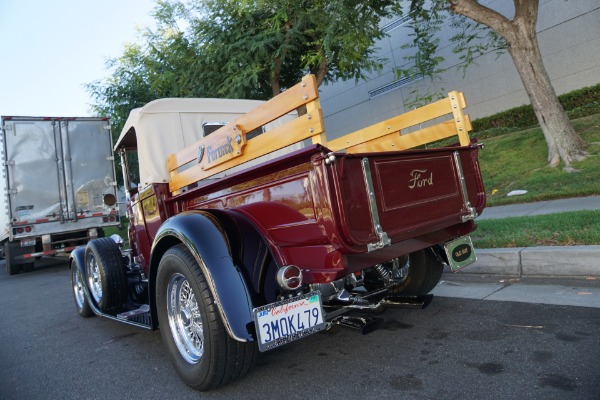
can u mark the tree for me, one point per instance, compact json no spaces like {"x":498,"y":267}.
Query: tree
{"x":257,"y":48}
{"x":241,"y":49}
{"x":518,"y":36}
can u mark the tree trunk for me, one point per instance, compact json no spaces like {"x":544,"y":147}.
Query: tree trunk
{"x":520,"y":35}
{"x":563,"y":142}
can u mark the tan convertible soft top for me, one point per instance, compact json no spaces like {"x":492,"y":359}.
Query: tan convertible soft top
{"x":165,"y":126}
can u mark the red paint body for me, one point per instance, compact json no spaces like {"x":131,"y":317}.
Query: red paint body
{"x":316,"y":215}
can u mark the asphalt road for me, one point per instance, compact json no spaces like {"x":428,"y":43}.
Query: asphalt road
{"x":455,"y":349}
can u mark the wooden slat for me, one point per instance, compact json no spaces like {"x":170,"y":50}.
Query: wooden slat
{"x":457,"y":101}
{"x":386,"y":134}
{"x":396,"y":142}
{"x":291,"y":132}
{"x":213,"y":149}
{"x":313,"y":111}
{"x":395,"y":124}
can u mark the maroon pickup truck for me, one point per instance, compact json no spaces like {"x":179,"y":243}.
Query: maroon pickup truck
{"x":248,"y":229}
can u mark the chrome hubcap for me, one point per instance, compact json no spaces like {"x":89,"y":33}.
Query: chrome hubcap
{"x":94,"y":278}
{"x":185,"y":319}
{"x":78,"y":288}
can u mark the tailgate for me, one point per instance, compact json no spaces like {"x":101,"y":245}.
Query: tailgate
{"x":384,"y":197}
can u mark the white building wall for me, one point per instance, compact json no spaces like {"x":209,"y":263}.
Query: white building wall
{"x":569,"y":38}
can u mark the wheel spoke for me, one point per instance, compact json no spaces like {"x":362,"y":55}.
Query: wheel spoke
{"x":185,"y":319}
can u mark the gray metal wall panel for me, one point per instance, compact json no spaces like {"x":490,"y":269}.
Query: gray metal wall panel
{"x":569,"y":37}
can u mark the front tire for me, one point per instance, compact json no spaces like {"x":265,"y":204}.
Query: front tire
{"x":203,"y":353}
{"x":106,"y":278}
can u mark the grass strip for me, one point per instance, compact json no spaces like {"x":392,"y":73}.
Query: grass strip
{"x":564,"y":229}
{"x":518,"y":160}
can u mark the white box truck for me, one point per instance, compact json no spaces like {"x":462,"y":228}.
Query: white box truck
{"x":58,"y":186}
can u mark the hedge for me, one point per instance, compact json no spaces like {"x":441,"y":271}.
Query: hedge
{"x":578,"y":103}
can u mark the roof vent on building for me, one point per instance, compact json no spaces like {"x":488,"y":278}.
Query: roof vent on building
{"x":394,"y":85}
{"x":395,"y":24}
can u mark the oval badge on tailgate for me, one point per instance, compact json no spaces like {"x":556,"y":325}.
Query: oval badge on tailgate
{"x":462,"y":252}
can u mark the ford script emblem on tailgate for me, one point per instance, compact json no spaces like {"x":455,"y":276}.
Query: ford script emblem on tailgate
{"x":419,"y":179}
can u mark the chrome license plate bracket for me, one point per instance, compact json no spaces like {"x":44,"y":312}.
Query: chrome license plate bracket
{"x":288,"y":320}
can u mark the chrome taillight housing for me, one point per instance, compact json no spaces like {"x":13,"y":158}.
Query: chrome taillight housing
{"x":289,"y":277}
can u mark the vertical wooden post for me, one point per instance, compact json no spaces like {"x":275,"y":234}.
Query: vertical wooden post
{"x":457,"y":101}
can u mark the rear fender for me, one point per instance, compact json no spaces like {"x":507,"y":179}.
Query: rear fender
{"x":202,"y":234}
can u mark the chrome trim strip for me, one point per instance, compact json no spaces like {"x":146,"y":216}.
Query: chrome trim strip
{"x":384,"y":240}
{"x":468,"y":208}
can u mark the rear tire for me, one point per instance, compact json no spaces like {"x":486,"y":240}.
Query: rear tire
{"x":425,"y":272}
{"x":203,"y":353}
{"x":106,"y":278}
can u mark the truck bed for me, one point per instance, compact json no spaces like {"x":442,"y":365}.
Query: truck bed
{"x":315,"y":207}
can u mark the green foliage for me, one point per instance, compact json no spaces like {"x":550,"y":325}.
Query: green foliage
{"x":249,"y":49}
{"x":578,"y":103}
{"x":517,"y":117}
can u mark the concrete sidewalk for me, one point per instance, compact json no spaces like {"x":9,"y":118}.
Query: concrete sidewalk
{"x":541,"y":207}
{"x":560,"y":261}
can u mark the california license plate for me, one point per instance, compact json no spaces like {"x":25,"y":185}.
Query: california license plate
{"x":460,"y":253}
{"x":288,"y":320}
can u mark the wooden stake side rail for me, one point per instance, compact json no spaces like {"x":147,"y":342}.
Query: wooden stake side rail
{"x":386,"y":135}
{"x":227,"y":147}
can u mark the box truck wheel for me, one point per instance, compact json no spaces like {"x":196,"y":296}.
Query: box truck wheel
{"x":12,"y":267}
{"x":203,"y":354}
{"x":105,"y":272}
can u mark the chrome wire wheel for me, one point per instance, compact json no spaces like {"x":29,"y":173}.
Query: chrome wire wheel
{"x":78,"y":288}
{"x":185,"y":319}
{"x":94,"y":278}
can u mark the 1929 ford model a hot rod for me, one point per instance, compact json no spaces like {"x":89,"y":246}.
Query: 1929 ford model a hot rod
{"x":243,"y":237}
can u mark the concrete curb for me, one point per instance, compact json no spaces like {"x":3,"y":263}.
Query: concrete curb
{"x":537,"y":261}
